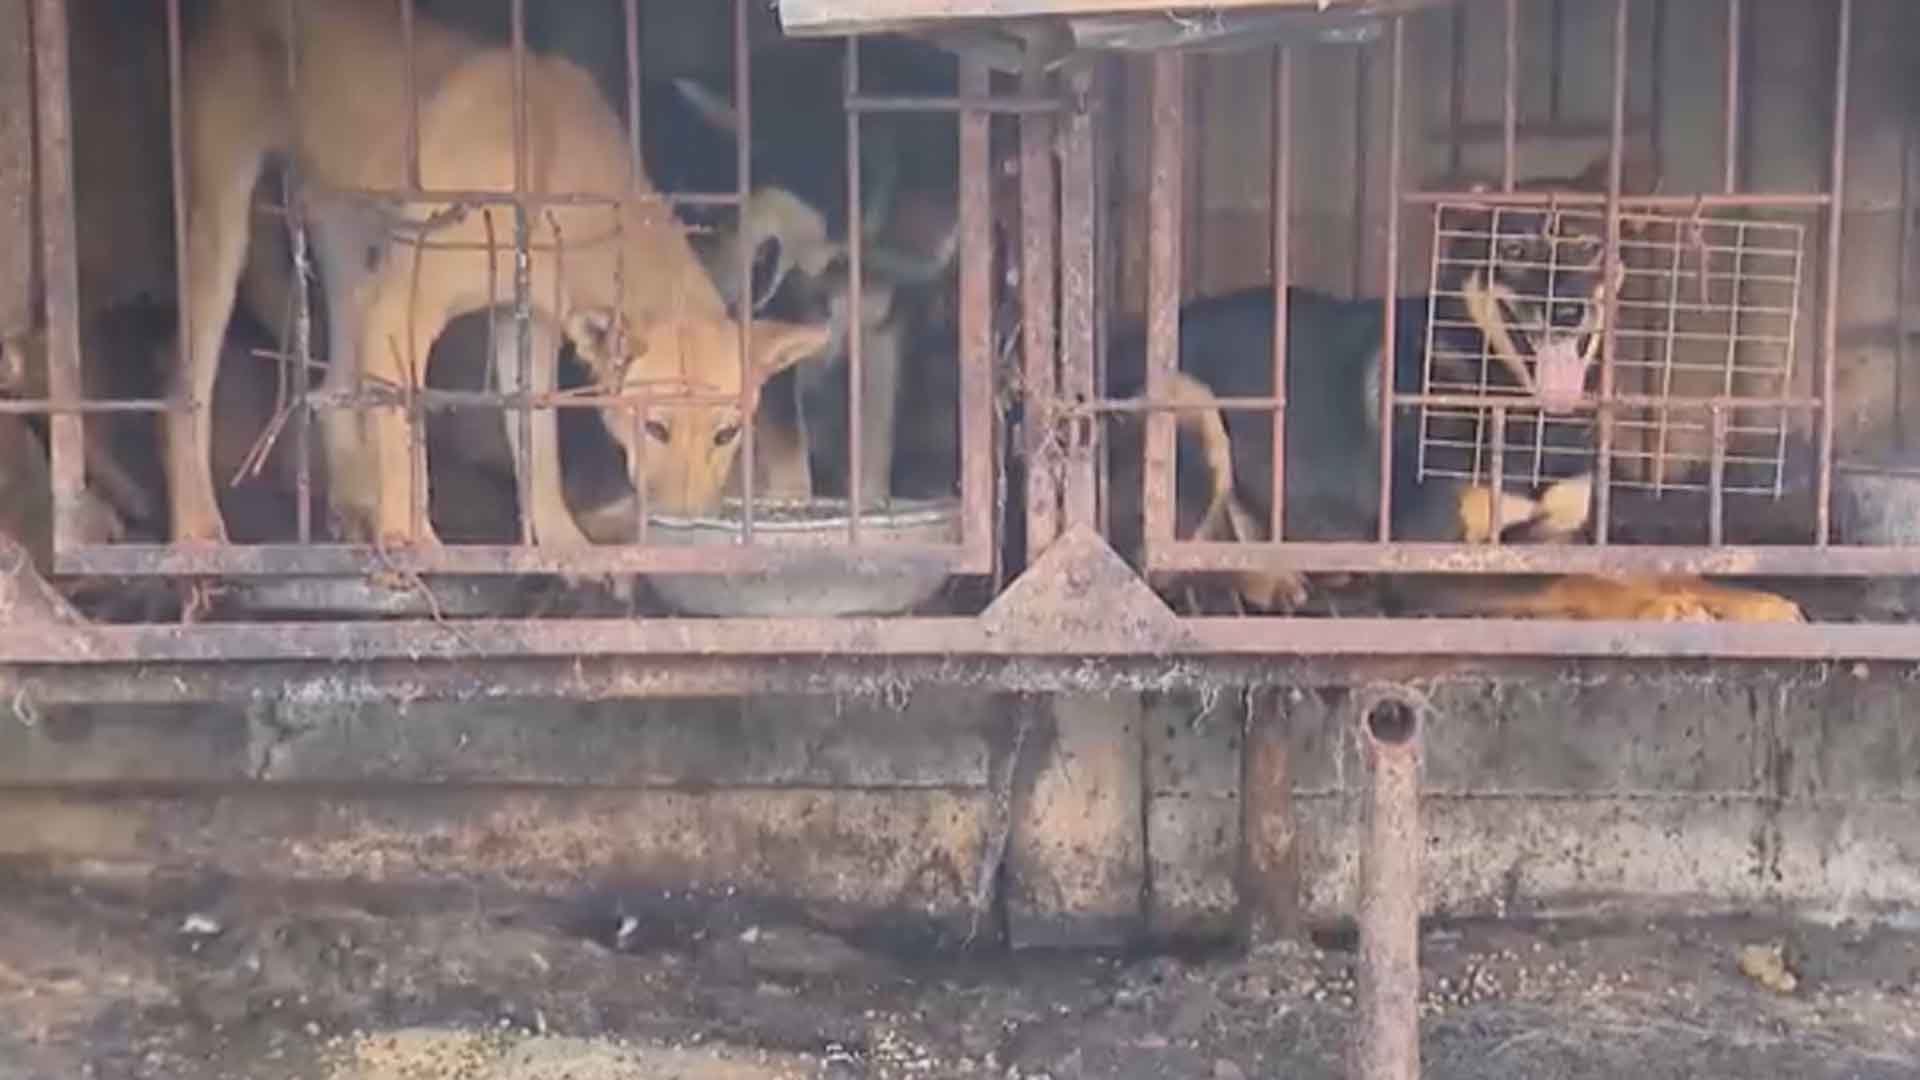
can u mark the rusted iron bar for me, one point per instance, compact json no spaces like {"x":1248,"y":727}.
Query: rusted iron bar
{"x":1788,"y":200}
{"x":1389,"y":347}
{"x":1259,"y":641}
{"x":1386,"y":1040}
{"x":857,"y":395}
{"x":743,"y":254}
{"x":977,"y":360}
{"x":1266,"y":404}
{"x":352,"y":560}
{"x":982,"y":103}
{"x":1041,"y":375}
{"x":522,"y":308}
{"x":1510,"y":100}
{"x":1610,"y":337}
{"x":1730,"y":104}
{"x":60,"y":271}
{"x":1079,"y":287}
{"x":1717,"y":479}
{"x":1164,"y":241}
{"x":605,"y":678}
{"x":1497,"y":473}
{"x":1270,"y":874}
{"x":1830,"y":279}
{"x":1280,"y":203}
{"x":1354,"y":557}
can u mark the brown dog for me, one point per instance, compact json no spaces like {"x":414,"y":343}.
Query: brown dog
{"x":633,"y":298}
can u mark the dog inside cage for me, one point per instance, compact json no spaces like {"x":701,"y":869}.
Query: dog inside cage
{"x":1393,"y":314}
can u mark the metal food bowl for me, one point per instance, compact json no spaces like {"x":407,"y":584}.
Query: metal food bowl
{"x":1877,"y":503}
{"x":435,"y":596}
{"x":839,"y":581}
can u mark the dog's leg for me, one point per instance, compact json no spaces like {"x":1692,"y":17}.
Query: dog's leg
{"x":553,"y":521}
{"x":397,"y":338}
{"x":879,"y":402}
{"x":229,"y":132}
{"x":347,"y":242}
{"x":782,"y":465}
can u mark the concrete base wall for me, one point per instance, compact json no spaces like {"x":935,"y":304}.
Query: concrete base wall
{"x":1080,"y":821}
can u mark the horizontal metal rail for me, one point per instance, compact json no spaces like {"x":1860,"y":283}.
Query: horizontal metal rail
{"x":809,"y":639}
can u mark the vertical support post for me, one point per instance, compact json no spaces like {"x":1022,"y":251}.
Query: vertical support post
{"x":1079,"y":284}
{"x":16,"y":168}
{"x":1270,"y":874}
{"x":1386,"y":1041}
{"x":976,"y":325}
{"x":1042,"y":376}
{"x":60,"y":260}
{"x":1830,"y":281}
{"x":1280,"y":201}
{"x":1164,"y":202}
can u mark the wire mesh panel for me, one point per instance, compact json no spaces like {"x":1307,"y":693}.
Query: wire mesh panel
{"x":1706,"y":323}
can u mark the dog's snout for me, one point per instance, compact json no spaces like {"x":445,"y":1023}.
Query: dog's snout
{"x":1567,"y":315}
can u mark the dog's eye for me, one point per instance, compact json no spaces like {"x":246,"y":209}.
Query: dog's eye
{"x":657,"y":431}
{"x":726,"y":435}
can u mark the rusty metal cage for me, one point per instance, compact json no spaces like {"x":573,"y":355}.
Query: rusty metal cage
{"x":1708,"y":313}
{"x":520,"y":233}
{"x":1711,"y":367}
{"x":1658,"y":427}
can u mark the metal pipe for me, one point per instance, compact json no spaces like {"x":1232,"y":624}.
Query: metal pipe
{"x":1280,"y":202}
{"x":1164,"y":201}
{"x":56,"y":182}
{"x":1730,"y":137}
{"x":1037,"y":324}
{"x":1079,"y":286}
{"x":522,"y":302}
{"x":1390,"y":324}
{"x":1386,"y":1039}
{"x":1269,"y":873}
{"x":1367,"y":557}
{"x":1610,"y":336}
{"x":1830,"y":302}
{"x":1510,"y":107}
{"x":1788,"y":200}
{"x":743,"y":252}
{"x":856,"y":301}
{"x":977,"y":360}
{"x":1275,"y":650}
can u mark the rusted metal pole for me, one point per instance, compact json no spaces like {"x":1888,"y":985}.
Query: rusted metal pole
{"x":1164,"y":203}
{"x":1269,"y":878}
{"x":1037,"y":270}
{"x":59,"y":253}
{"x":1386,"y":1040}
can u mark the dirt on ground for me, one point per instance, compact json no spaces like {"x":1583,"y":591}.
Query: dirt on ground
{"x":123,"y":978}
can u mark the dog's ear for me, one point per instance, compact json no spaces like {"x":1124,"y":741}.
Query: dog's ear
{"x":778,"y":345}
{"x":599,"y":334}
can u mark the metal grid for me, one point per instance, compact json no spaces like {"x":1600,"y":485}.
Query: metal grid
{"x":1621,"y":410}
{"x":1708,"y":311}
{"x":522,"y":228}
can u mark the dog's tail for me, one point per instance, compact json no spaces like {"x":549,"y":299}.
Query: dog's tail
{"x":1199,"y":415}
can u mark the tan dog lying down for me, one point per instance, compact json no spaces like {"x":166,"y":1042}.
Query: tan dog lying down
{"x":631,"y":296}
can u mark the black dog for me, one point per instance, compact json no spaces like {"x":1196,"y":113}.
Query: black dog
{"x":1518,"y":316}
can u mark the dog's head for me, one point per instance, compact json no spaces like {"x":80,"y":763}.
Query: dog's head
{"x":686,"y":447}
{"x":1534,"y":285}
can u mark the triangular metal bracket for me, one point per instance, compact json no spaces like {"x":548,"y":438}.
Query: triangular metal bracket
{"x":1080,"y":596}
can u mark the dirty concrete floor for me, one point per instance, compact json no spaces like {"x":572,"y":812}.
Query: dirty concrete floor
{"x":124,"y":978}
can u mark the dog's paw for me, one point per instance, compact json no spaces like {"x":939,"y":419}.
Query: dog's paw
{"x":1673,"y":607}
{"x":1281,"y":592}
{"x":1743,"y":605}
